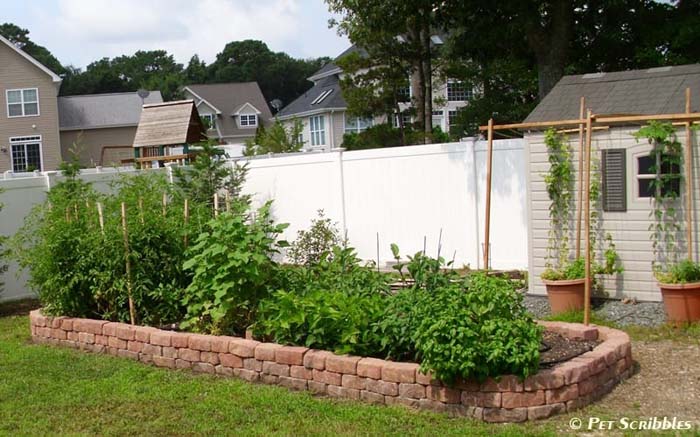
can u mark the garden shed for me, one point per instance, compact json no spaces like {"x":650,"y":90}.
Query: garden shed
{"x":165,"y":132}
{"x":623,"y":165}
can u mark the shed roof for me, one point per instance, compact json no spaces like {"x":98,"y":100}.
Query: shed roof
{"x":93,"y":111}
{"x":634,"y":92}
{"x":170,"y":123}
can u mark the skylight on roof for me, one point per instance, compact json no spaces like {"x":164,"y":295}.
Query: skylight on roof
{"x":321,"y":97}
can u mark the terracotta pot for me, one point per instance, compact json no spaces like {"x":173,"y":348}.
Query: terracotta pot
{"x":565,"y":295}
{"x":682,"y":302}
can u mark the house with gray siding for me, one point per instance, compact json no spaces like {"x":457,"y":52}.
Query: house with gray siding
{"x":626,"y":203}
{"x":233,"y":111}
{"x":101,"y":127}
{"x":29,"y":138}
{"x":322,"y":110}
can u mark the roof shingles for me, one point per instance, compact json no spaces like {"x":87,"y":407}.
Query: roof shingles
{"x":634,"y":92}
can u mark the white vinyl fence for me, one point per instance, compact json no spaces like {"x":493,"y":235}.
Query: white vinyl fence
{"x":413,"y":196}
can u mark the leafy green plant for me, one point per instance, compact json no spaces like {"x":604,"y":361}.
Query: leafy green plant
{"x":685,"y":271}
{"x":3,"y":253}
{"x":323,"y":319}
{"x":559,"y":182}
{"x":477,"y":331}
{"x":210,"y":173}
{"x":311,"y":244}
{"x":276,"y":139}
{"x":231,"y":262}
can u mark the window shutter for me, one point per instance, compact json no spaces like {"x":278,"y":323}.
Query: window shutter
{"x":614,"y":180}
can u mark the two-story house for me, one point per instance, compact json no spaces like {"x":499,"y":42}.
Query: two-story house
{"x":29,"y":134}
{"x":233,"y":111}
{"x":323,"y":111}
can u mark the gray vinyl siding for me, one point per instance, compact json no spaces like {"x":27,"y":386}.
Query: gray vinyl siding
{"x":91,"y":141}
{"x":629,"y":229}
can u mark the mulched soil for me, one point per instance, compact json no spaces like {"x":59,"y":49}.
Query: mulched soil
{"x":556,"y":348}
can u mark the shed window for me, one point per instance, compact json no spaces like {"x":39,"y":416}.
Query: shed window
{"x":658,"y":171}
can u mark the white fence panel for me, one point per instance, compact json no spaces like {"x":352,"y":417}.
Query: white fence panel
{"x":403,"y":195}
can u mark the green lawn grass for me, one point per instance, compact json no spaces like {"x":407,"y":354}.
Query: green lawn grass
{"x":49,"y":390}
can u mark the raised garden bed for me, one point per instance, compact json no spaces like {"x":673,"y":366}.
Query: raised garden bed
{"x":563,"y":387}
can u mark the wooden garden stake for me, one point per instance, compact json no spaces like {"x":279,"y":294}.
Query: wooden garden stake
{"x":579,"y":211}
{"x":67,"y":215}
{"x":587,"y":205}
{"x":132,"y":311}
{"x":228,"y":201}
{"x":216,"y":204}
{"x":101,"y":217}
{"x":187,"y":217}
{"x":141,"y":209}
{"x":487,"y":218}
{"x":165,"y":203}
{"x":688,"y":179}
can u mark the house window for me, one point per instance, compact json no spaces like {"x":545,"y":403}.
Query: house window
{"x":458,"y":92}
{"x":210,"y":120}
{"x":658,"y":171}
{"x":404,"y":94}
{"x":249,"y":120}
{"x":407,"y":119}
{"x":318,"y":130}
{"x":438,"y":118}
{"x":357,"y":124}
{"x":22,"y":102}
{"x":452,"y":118}
{"x":26,"y":153}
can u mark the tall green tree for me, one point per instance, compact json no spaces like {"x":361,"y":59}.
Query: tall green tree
{"x":20,"y":37}
{"x":279,"y":75}
{"x":395,"y":33}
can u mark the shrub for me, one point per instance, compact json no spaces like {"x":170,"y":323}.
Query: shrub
{"x":231,"y":262}
{"x":323,"y":319}
{"x":476,"y":329}
{"x":310,"y":245}
{"x":276,"y":139}
{"x":78,"y":269}
{"x":210,"y":173}
{"x":385,"y":135}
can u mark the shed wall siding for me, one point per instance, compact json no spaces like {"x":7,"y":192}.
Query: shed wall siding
{"x":629,"y":230}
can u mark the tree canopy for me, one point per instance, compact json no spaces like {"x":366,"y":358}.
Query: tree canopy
{"x":512,"y":52}
{"x":279,"y":75}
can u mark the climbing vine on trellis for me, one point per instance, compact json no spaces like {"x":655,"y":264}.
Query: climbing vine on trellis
{"x":559,"y":182}
{"x":665,"y":225}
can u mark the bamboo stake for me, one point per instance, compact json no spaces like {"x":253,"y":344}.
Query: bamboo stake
{"x":67,"y":214}
{"x":579,"y":211}
{"x":101,"y":217}
{"x":187,"y":218}
{"x":141,"y":210}
{"x":688,"y":179}
{"x":228,"y":201}
{"x":132,"y":311}
{"x":487,"y":219}
{"x":165,"y":204}
{"x":216,"y":204}
{"x":587,"y":206}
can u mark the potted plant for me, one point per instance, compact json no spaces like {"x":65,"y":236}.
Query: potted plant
{"x":679,"y":281}
{"x":564,"y":275}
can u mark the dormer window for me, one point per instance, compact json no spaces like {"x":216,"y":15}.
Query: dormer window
{"x":22,"y":102}
{"x":248,"y":120}
{"x":210,"y":120}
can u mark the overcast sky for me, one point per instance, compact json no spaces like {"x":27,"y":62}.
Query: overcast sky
{"x":78,"y":32}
